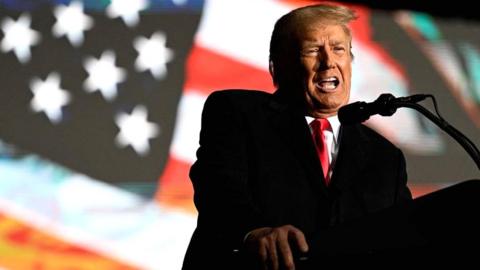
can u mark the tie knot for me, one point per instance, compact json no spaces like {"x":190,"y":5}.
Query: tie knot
{"x":321,"y":124}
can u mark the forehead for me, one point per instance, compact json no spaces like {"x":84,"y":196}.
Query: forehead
{"x":320,"y":32}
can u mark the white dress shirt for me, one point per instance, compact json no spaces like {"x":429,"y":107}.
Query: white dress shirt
{"x":331,"y":137}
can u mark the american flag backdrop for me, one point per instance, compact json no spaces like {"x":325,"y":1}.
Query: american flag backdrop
{"x":100,"y":105}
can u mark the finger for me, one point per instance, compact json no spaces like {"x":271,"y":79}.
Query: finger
{"x":286,"y":252}
{"x":300,"y":239}
{"x":272,"y":248}
{"x":262,"y":252}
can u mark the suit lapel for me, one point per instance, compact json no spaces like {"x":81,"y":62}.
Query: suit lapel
{"x":353,"y":155}
{"x":292,"y":129}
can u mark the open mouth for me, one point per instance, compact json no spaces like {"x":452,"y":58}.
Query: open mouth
{"x":328,"y":84}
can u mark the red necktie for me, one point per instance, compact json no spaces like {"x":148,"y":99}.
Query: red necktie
{"x":318,"y":126}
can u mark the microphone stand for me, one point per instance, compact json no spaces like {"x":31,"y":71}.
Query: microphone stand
{"x":466,"y":143}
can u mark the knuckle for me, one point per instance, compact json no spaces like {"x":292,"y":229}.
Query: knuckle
{"x":269,"y":238}
{"x":263,"y":241}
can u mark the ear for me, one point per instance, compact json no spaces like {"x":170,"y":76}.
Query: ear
{"x":351,"y":53}
{"x":271,"y":69}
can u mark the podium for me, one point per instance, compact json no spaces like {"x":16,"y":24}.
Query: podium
{"x":441,"y":226}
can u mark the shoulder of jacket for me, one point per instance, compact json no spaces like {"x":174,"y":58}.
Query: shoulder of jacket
{"x":375,"y":137}
{"x":239,"y":95}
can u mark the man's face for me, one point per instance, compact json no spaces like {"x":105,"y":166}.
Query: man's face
{"x":325,"y":68}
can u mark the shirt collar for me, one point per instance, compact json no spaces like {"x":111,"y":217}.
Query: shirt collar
{"x":334,"y":122}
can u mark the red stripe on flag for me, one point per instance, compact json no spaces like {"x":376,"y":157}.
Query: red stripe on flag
{"x":423,"y":189}
{"x":23,"y":246}
{"x":208,"y":71}
{"x":175,"y":188}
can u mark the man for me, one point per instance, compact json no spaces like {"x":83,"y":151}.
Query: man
{"x":264,"y":185}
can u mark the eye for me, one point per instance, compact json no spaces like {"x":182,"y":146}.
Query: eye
{"x":310,"y":51}
{"x":338,"y":49}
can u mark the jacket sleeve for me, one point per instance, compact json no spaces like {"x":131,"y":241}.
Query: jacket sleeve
{"x":220,"y":174}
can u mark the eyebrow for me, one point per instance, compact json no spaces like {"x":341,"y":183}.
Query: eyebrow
{"x":309,"y":43}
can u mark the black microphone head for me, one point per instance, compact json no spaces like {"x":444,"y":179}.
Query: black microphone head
{"x":384,"y":105}
{"x":354,"y":113}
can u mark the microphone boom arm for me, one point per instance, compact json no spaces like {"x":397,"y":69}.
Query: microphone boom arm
{"x":466,"y":143}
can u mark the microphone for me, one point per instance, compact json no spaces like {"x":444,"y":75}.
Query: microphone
{"x":385,"y":105}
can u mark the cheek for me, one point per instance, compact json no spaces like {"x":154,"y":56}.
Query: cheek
{"x":347,"y":74}
{"x":347,"y":68}
{"x":308,"y":67}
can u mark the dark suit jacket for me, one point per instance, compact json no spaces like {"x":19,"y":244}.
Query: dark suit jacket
{"x":257,"y":167}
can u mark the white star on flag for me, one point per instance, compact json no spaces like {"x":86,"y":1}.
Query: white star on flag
{"x":104,"y":75}
{"x":19,"y":37}
{"x":153,"y":54}
{"x":127,"y":9}
{"x":49,"y":97}
{"x":135,"y":130}
{"x":72,"y":22}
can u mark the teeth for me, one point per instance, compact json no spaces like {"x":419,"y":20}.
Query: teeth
{"x":326,"y":85}
{"x":329,"y":79}
{"x":331,"y":86}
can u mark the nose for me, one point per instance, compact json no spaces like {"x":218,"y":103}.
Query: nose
{"x":325,"y":60}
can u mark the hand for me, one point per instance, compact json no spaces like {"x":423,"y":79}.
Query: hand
{"x":272,"y":244}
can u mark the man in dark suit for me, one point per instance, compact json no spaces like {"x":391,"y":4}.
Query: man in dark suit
{"x":264,"y":182}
